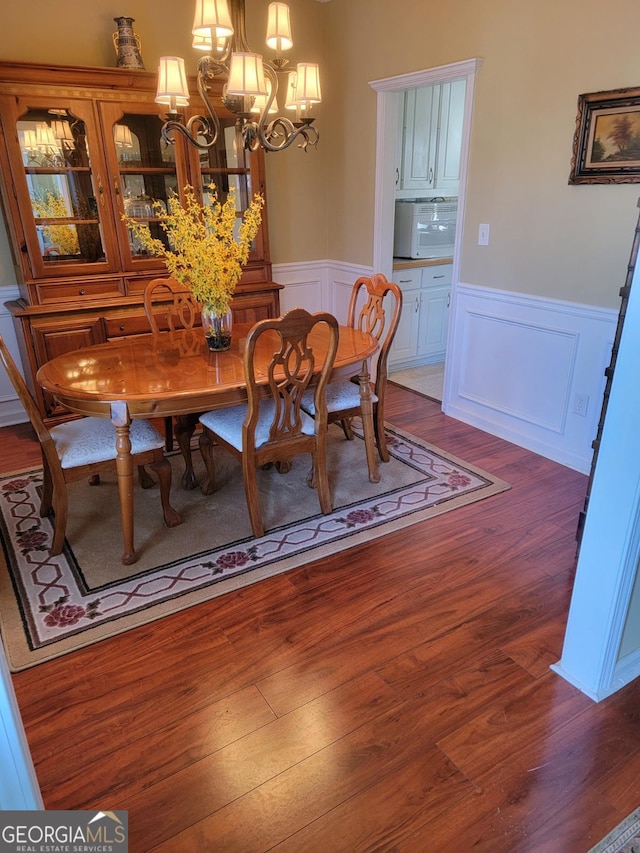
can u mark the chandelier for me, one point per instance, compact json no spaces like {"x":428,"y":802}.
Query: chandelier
{"x":251,"y":83}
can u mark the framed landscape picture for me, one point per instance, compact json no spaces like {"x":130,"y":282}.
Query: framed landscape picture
{"x":606,"y":144}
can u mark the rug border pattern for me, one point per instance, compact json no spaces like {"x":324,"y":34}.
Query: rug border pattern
{"x":371,"y":523}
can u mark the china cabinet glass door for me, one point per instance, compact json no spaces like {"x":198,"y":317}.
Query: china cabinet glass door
{"x":145,"y":171}
{"x":228,"y":164}
{"x":59,"y":173}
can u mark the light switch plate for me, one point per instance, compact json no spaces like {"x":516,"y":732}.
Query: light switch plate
{"x":483,"y":235}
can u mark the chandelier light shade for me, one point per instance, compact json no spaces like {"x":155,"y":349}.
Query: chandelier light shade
{"x":122,"y":136}
{"x":172,"y":83}
{"x":246,"y":75}
{"x":30,"y":140}
{"x":308,"y":83}
{"x":290,"y":97}
{"x":61,"y":130}
{"x":260,"y":102}
{"x":212,"y":19}
{"x":279,"y":28}
{"x":201,"y":43}
{"x":250,"y":82}
{"x":44,"y":136}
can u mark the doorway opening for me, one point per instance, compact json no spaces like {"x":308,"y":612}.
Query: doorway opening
{"x":390,"y":94}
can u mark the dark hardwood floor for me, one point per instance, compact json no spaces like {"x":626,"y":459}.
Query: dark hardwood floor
{"x":394,"y":697}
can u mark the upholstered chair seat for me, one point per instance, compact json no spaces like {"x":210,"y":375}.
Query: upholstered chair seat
{"x":341,"y":395}
{"x":91,"y":440}
{"x":227,"y":423}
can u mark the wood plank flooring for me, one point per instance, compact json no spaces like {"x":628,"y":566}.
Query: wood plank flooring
{"x":394,"y":697}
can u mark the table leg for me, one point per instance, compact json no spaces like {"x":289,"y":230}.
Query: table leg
{"x":184,"y":430}
{"x":124,"y":467}
{"x":366,"y":407}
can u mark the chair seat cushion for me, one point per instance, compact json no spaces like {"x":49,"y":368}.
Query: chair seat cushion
{"x":340,"y":397}
{"x":227,"y":423}
{"x":89,"y":440}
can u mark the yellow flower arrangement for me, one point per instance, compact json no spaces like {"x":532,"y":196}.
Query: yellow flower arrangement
{"x":63,"y":238}
{"x":204,"y":253}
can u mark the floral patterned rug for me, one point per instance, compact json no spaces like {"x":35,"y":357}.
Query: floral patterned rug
{"x":625,"y":838}
{"x":53,"y":605}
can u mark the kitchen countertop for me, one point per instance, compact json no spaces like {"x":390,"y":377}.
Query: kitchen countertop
{"x":408,"y":264}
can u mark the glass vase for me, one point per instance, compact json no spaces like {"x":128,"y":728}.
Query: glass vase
{"x":217,"y":329}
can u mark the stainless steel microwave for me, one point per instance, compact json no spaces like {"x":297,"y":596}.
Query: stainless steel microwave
{"x":425,"y":229}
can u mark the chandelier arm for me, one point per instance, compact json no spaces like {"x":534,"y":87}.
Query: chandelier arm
{"x":264,"y":134}
{"x":189,"y":133}
{"x":270,"y":75}
{"x":279,"y":127}
{"x":208,"y":68}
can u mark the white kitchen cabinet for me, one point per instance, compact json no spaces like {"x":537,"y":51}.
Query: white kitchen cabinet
{"x":404,"y":346}
{"x":422,"y":331}
{"x":430,"y":140}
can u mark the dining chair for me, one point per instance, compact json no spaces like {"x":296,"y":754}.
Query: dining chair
{"x":381,"y":321}
{"x":170,"y":306}
{"x":271,"y":426}
{"x":85,"y":448}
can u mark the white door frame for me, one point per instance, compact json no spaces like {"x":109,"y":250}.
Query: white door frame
{"x":19,"y":787}
{"x":389,"y":90}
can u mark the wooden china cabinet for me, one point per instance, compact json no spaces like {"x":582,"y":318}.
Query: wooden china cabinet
{"x":79,"y":147}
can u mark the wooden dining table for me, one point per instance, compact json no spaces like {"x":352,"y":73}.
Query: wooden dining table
{"x":174,"y":373}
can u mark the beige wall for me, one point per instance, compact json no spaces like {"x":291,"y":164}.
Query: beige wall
{"x":547,"y":238}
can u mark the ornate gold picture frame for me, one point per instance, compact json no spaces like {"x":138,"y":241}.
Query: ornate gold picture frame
{"x":606,"y":144}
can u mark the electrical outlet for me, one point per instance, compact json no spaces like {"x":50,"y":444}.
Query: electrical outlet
{"x":483,"y":235}
{"x":581,"y":404}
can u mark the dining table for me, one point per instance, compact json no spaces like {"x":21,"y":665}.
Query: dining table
{"x":174,"y":373}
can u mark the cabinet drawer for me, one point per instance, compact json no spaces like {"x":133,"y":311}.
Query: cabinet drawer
{"x":135,"y":285}
{"x":80,"y":290}
{"x":407,"y":279}
{"x":130,"y":324}
{"x":437,"y":275}
{"x":252,"y":307}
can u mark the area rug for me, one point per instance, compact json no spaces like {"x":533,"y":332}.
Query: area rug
{"x":625,"y":838}
{"x":52,"y":605}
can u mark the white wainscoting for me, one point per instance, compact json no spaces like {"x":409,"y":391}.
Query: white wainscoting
{"x":318,"y":286}
{"x":517,"y":367}
{"x":11,"y":411}
{"x":515,"y":363}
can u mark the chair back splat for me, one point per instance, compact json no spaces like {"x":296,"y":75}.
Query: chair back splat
{"x":374,"y":318}
{"x":272,"y":427}
{"x":170,"y":306}
{"x":290,"y":372}
{"x":378,"y":315}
